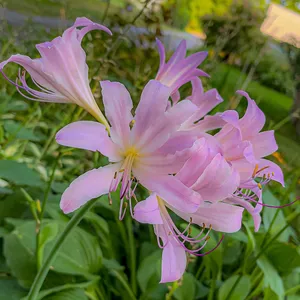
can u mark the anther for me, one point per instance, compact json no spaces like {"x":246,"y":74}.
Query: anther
{"x":132,"y":122}
{"x":255,"y":170}
{"x":259,"y":186}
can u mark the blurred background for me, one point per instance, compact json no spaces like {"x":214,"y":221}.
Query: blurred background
{"x":252,"y":45}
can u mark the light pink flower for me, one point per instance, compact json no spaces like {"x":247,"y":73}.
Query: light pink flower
{"x":243,"y":146}
{"x":61,"y":73}
{"x":214,"y":179}
{"x":179,"y":69}
{"x":146,"y":153}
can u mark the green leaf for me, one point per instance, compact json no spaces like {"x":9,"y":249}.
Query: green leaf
{"x":112,"y":264}
{"x":268,"y":215}
{"x":13,"y":206}
{"x":19,"y":253}
{"x":75,"y":294}
{"x":241,"y":290}
{"x":19,"y":173}
{"x":271,"y":277}
{"x":10,"y":290}
{"x":232,"y":251}
{"x":16,"y":105}
{"x":187,"y":290}
{"x":47,"y":234}
{"x":284,"y":257}
{"x":148,"y":272}
{"x":80,"y":254}
{"x":202,"y":290}
{"x":18,"y":131}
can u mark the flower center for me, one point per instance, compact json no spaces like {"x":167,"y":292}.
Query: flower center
{"x":124,"y":177}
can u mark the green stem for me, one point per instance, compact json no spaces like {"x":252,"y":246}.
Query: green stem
{"x":49,"y":186}
{"x":270,"y":227}
{"x":273,"y":239}
{"x":132,"y":251}
{"x":41,"y":275}
{"x":39,"y":257}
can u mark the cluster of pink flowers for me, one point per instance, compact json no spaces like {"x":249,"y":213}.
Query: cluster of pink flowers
{"x":165,"y":146}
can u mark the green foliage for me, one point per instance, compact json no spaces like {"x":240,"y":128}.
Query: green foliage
{"x":242,"y":288}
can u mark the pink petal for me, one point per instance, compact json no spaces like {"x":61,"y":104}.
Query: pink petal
{"x":244,"y":168}
{"x":154,"y":125}
{"x":173,"y":262}
{"x":197,"y":91}
{"x":149,"y":112}
{"x":254,"y":119}
{"x":216,"y":121}
{"x":173,"y":258}
{"x":204,"y":101}
{"x":90,"y":185}
{"x":162,"y":55}
{"x":218,"y":180}
{"x":272,"y":169}
{"x":118,"y":106}
{"x":256,"y":216}
{"x":88,"y":25}
{"x":89,"y":135}
{"x":168,"y":163}
{"x":171,"y":190}
{"x":147,"y":211}
{"x":195,"y":165}
{"x":264,"y":144}
{"x":220,"y":216}
{"x":179,"y":70}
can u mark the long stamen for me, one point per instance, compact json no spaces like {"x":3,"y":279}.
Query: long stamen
{"x":181,"y":238}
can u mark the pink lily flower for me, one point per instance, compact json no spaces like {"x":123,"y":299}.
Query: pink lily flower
{"x":179,"y":69}
{"x":214,"y":179}
{"x":243,"y":146}
{"x":61,"y":73}
{"x":144,"y":153}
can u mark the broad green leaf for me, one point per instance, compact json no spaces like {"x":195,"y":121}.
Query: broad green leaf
{"x":148,"y":271}
{"x":271,"y":277}
{"x":19,"y":253}
{"x":202,"y":290}
{"x":10,"y":290}
{"x":112,"y":264}
{"x":19,"y":173}
{"x":75,"y":294}
{"x":241,"y":290}
{"x":268,"y":215}
{"x":232,"y":251}
{"x":18,"y":131}
{"x":188,"y":288}
{"x":80,"y":253}
{"x":47,"y":234}
{"x":284,"y":257}
{"x":13,"y":206}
